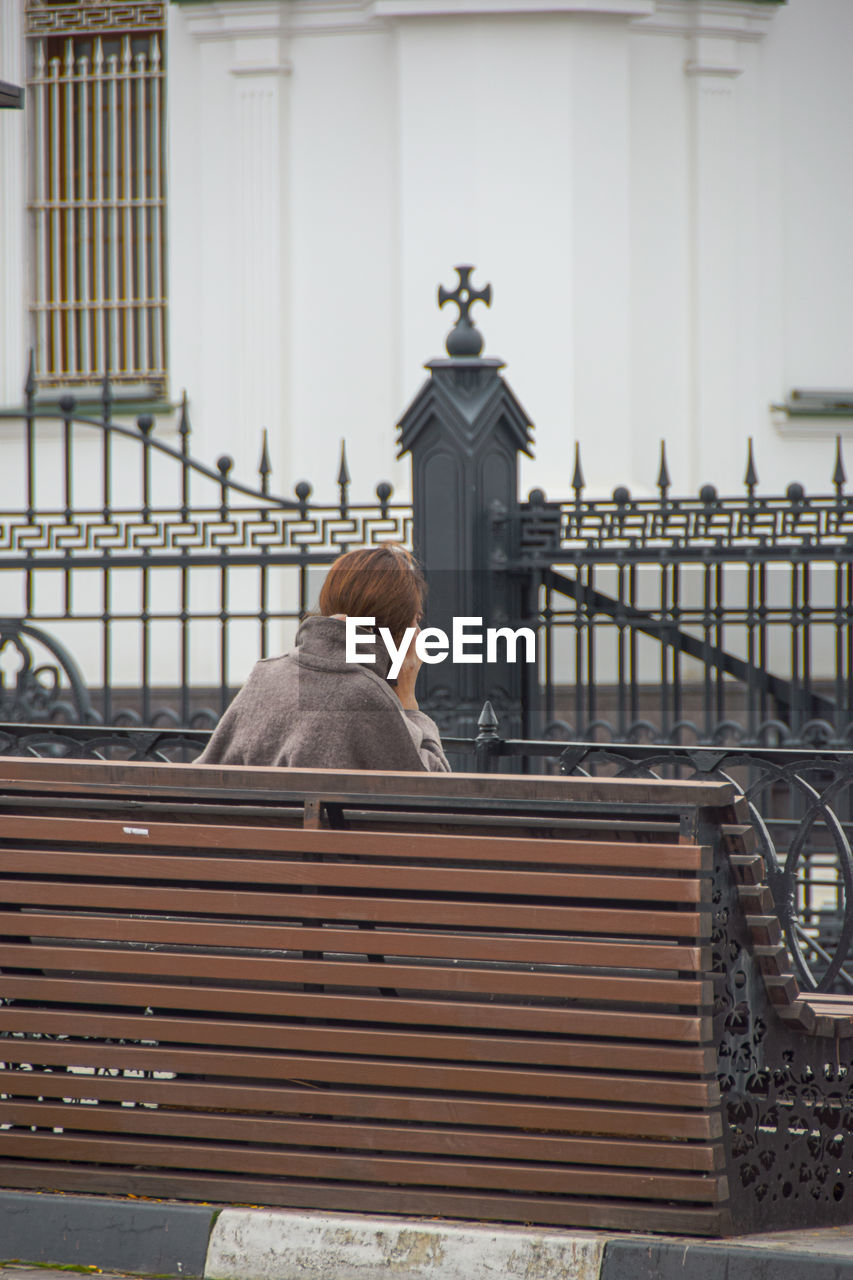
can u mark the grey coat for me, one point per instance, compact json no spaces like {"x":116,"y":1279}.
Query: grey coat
{"x":314,"y":710}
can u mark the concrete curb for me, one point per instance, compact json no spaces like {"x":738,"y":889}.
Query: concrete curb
{"x":682,"y":1260}
{"x":159,"y":1238}
{"x":201,"y":1242}
{"x":266,"y":1245}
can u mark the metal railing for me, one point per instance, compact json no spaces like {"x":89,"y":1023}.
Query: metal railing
{"x":154,"y":579}
{"x":701,"y":619}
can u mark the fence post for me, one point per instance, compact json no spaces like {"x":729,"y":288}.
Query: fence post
{"x":464,"y":431}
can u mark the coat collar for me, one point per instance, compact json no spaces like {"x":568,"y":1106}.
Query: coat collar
{"x":325,"y":638}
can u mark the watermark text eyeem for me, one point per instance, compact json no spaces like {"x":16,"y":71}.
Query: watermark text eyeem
{"x":468,"y":642}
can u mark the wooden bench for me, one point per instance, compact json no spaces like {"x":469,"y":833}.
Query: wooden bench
{"x":559,"y":1001}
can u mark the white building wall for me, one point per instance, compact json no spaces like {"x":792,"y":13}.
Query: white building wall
{"x":658,"y":191}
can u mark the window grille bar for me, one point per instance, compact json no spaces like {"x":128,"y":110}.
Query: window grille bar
{"x":40,"y":193}
{"x":83,"y":216}
{"x":69,"y":271}
{"x":100,"y":249}
{"x":143,"y":285}
{"x":113,"y":364}
{"x":157,"y":211}
{"x":55,"y":286}
{"x":126,"y":290}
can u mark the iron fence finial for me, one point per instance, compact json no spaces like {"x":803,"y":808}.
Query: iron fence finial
{"x":664,"y":482}
{"x":264,"y":466}
{"x":343,"y":477}
{"x":464,"y":338}
{"x":751,"y":477}
{"x":343,"y":469}
{"x":30,"y":384}
{"x":383,"y":493}
{"x":839,"y":475}
{"x":487,"y":721}
{"x":184,"y":428}
{"x":578,"y":481}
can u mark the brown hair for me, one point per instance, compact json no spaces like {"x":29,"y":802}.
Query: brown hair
{"x":385,"y":583}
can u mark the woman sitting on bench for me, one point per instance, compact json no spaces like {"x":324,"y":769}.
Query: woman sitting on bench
{"x":313,"y":709}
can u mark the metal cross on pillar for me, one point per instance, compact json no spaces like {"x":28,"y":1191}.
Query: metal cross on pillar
{"x":465,"y":430}
{"x":464,"y":339}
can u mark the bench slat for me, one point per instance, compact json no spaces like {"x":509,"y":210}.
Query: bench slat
{"x":630,"y":1024}
{"x":397,"y":844}
{"x":551,"y":1179}
{"x":422,"y":1108}
{"x":541,"y":1051}
{"x":456,"y":978}
{"x":522,"y":917}
{"x":470,"y":881}
{"x":689,"y":1219}
{"x":534,"y":948}
{"x":494,"y":1144}
{"x":377,"y":1073}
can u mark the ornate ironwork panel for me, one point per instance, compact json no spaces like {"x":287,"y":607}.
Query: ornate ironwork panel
{"x":787,"y":1097}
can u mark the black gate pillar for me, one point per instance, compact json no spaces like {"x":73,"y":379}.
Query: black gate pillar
{"x":464,"y":430}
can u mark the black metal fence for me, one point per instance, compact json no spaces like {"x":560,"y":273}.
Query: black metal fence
{"x":707,"y":620}
{"x":138,"y":585}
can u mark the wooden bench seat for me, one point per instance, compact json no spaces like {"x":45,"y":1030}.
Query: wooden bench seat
{"x":512,"y":999}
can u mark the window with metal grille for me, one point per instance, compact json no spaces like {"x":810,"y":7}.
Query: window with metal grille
{"x":98,"y":192}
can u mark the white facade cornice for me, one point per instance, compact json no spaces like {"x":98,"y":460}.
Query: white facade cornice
{"x":211,"y":20}
{"x":472,"y":8}
{"x":331,"y":17}
{"x":235,"y":19}
{"x":255,"y":29}
{"x":742,"y":20}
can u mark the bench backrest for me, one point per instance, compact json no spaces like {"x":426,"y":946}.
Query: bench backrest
{"x":487,"y":998}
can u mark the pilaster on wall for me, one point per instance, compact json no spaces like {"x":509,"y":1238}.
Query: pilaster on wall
{"x":713,"y":69}
{"x":601,"y":246}
{"x":230,"y":300}
{"x":13,"y":203}
{"x":718,"y":36}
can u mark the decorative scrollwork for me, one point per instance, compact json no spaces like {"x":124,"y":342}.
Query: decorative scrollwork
{"x":34,"y":692}
{"x":787,"y":1097}
{"x":802,"y":812}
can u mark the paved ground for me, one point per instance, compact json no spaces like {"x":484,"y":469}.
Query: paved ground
{"x":270,"y":1245}
{"x":115,"y":1238}
{"x":19,"y":1272}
